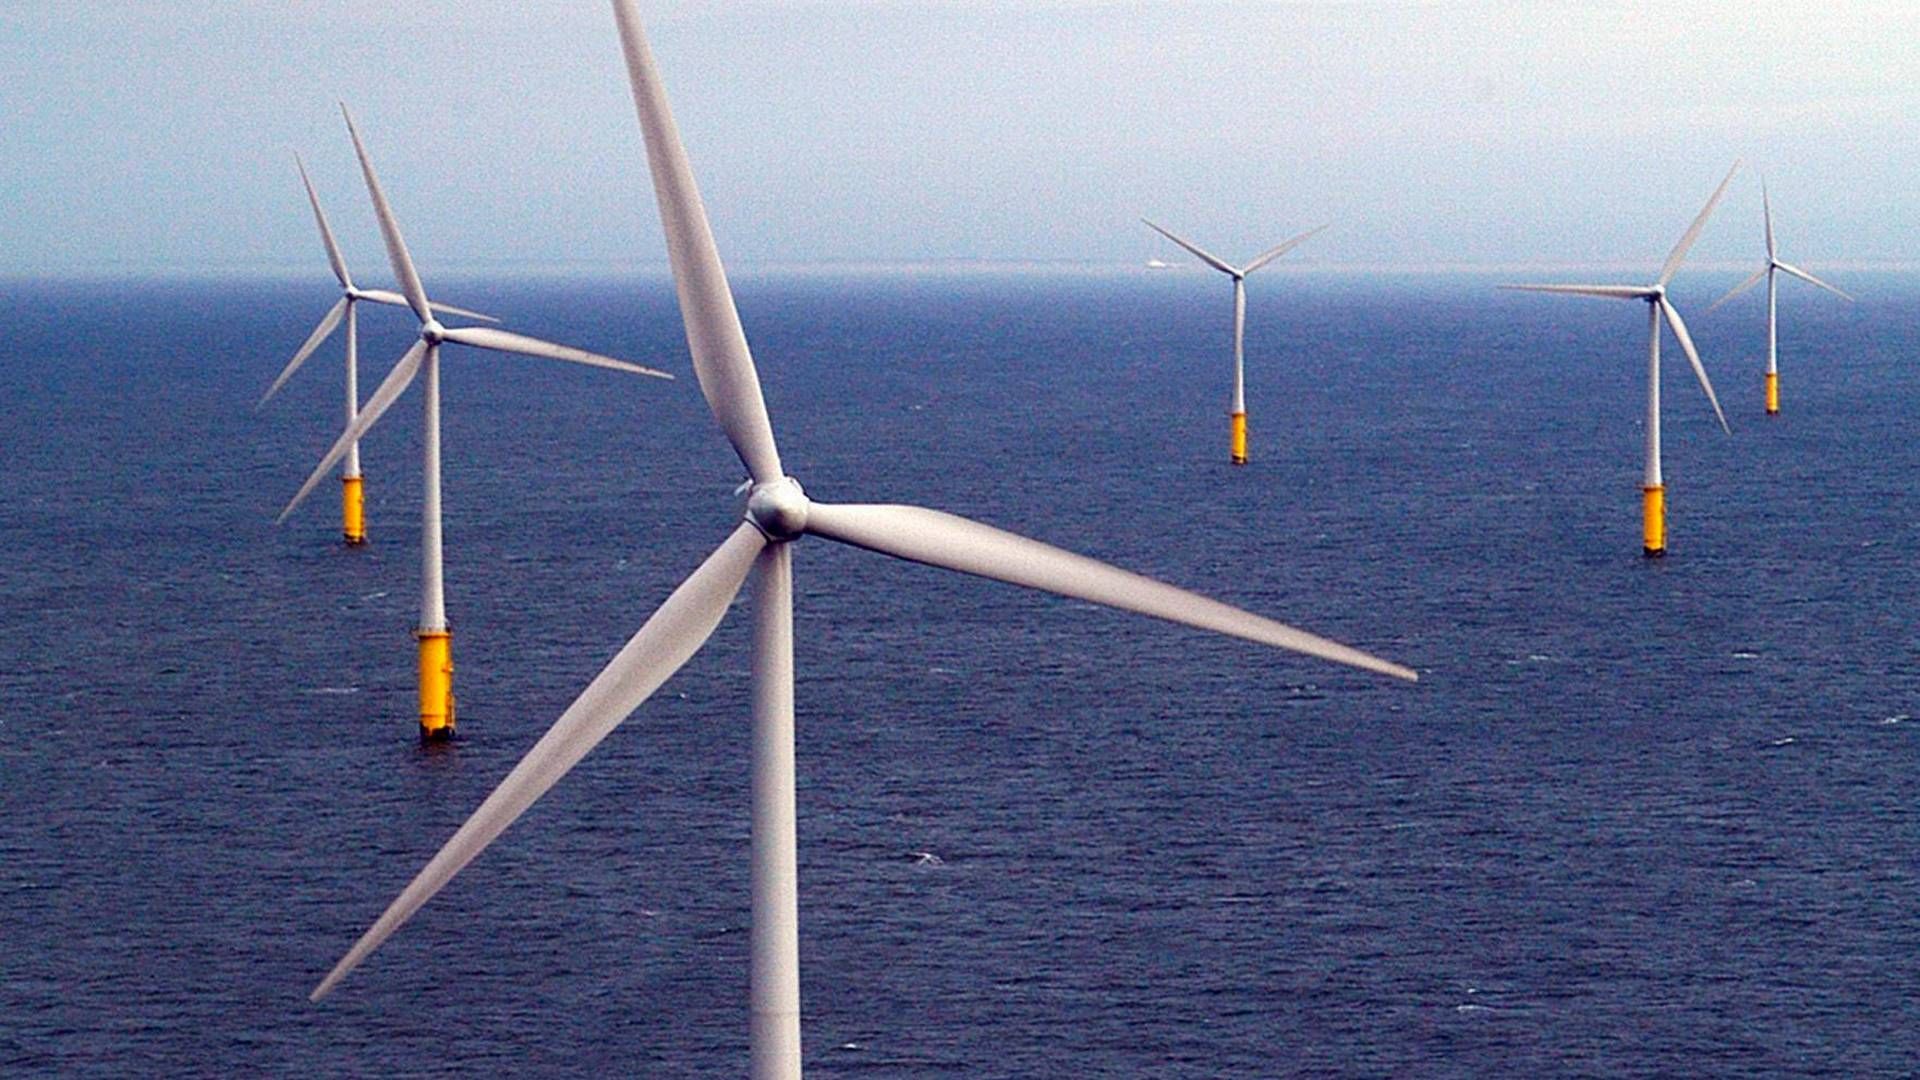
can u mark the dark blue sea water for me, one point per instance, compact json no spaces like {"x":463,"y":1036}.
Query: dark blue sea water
{"x":1639,"y":818}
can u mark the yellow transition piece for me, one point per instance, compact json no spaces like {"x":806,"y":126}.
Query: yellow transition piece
{"x":1239,"y":438}
{"x":1773,"y":393}
{"x":436,"y":684}
{"x":1653,"y":509}
{"x":353,"y":510}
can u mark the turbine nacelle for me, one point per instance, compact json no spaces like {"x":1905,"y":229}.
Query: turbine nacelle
{"x":778,"y":508}
{"x":432,"y":332}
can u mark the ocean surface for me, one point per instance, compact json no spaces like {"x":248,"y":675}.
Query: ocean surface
{"x":1639,"y":818}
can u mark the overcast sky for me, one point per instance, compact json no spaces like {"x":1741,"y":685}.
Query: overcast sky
{"x":153,"y":135}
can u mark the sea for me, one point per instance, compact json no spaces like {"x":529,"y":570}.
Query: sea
{"x":1639,"y":817}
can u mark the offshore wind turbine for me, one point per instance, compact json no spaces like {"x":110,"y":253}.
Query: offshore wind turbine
{"x":1767,"y":272}
{"x":1238,"y":411}
{"x":353,"y":521}
{"x":1653,"y":490}
{"x":777,"y":514}
{"x":433,"y":633}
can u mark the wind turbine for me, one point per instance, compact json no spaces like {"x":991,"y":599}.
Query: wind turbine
{"x":1767,"y":271}
{"x":352,"y":498}
{"x":777,"y":513}
{"x":1238,"y":413}
{"x":1653,"y":503}
{"x":435,"y":638}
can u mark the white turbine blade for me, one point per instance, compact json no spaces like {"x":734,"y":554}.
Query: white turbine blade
{"x":1693,"y":357}
{"x":955,"y":543}
{"x":382,"y":296}
{"x":1278,"y":250}
{"x":1766,"y":211}
{"x":1610,"y":292}
{"x":1693,"y":231}
{"x":403,"y":271}
{"x":664,"y":643}
{"x":389,"y":391}
{"x":486,"y":337}
{"x":326,"y":233}
{"x":464,"y":313}
{"x":721,"y":359}
{"x":1811,"y":280}
{"x":1204,"y":257}
{"x":327,"y":323}
{"x":1758,"y":276}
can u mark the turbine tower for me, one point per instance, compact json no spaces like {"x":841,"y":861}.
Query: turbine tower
{"x":1238,"y":412}
{"x":353,"y":520}
{"x":1767,"y":272}
{"x":1653,"y":502}
{"x":434,"y":635}
{"x":777,"y":514}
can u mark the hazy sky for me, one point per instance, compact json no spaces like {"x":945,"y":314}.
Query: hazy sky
{"x":157,"y":135}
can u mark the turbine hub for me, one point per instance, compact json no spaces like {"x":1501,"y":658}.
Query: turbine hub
{"x":778,"y":509}
{"x":432,"y":332}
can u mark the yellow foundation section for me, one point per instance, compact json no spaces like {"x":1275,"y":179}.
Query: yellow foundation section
{"x":1653,"y":519}
{"x":353,"y":510}
{"x":436,"y":684}
{"x":1239,"y":438}
{"x":1773,"y":393}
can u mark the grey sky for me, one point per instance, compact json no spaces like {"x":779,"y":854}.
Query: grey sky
{"x":159,"y":135}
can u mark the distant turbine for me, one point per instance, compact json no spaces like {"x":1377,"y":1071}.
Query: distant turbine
{"x":352,"y":498}
{"x":436,"y":640}
{"x":778,"y":512}
{"x":1653,"y":504}
{"x":1238,"y":412}
{"x":1773,"y":263}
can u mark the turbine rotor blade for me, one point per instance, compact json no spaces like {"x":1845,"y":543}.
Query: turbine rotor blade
{"x":1766,"y":211}
{"x":383,"y":296}
{"x":1610,"y":292}
{"x":389,"y":391}
{"x":1693,"y":357}
{"x":1758,"y":276}
{"x":486,"y":337}
{"x":1693,"y":231}
{"x":403,"y":271}
{"x":721,"y":359}
{"x":664,"y":643}
{"x":326,"y":233}
{"x":1811,"y":280}
{"x":955,"y":543}
{"x":1204,"y":256}
{"x":320,"y":333}
{"x":1280,"y":249}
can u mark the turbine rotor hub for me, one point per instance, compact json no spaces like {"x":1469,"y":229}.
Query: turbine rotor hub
{"x":432,"y":332}
{"x":778,"y":509}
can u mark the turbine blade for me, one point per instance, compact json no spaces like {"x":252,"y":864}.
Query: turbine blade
{"x":389,"y":391}
{"x":464,"y":313}
{"x":1611,"y":292}
{"x":664,"y":643}
{"x":326,"y":233}
{"x":955,"y":543}
{"x":382,"y":296}
{"x":1811,"y":280}
{"x":1766,"y":210}
{"x":1758,"y":276}
{"x":486,"y":337}
{"x":1278,"y":250}
{"x":327,"y":324}
{"x":721,"y":359}
{"x":1210,"y":260}
{"x":403,"y":271}
{"x":1693,"y":231}
{"x":1693,"y":357}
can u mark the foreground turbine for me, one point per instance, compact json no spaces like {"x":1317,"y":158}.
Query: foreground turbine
{"x":1767,"y":272}
{"x":353,"y":521}
{"x":778,"y":512}
{"x":1653,"y":503}
{"x":435,"y":638}
{"x":1238,"y":412}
